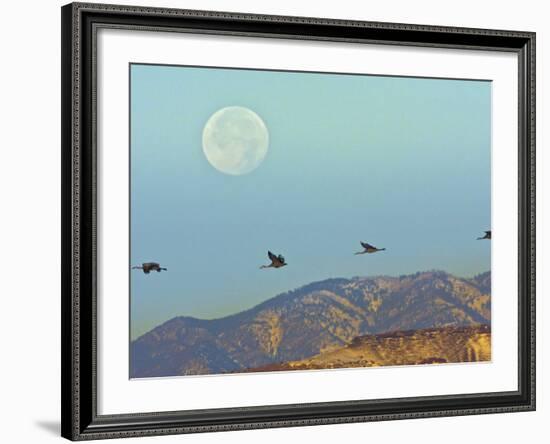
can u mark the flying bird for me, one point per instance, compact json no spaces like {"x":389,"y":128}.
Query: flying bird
{"x":487,"y":235}
{"x":276,"y":261}
{"x":368,"y":248}
{"x":147,"y":267}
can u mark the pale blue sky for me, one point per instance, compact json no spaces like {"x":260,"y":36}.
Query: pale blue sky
{"x":402,"y":163}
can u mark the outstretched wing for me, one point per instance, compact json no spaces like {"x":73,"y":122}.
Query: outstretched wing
{"x":271,"y":256}
{"x":366,"y":246}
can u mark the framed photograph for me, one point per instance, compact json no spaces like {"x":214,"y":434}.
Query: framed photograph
{"x":281,"y":221}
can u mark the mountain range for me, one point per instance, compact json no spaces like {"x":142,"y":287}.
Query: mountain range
{"x":316,"y":320}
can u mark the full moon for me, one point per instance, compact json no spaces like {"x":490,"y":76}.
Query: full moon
{"x":235,"y":140}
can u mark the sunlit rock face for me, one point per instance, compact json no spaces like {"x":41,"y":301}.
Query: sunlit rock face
{"x":439,"y":345}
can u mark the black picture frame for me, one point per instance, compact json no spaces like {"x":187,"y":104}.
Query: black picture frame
{"x":80,"y":420}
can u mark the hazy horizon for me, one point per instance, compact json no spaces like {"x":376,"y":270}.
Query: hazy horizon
{"x":401,"y":163}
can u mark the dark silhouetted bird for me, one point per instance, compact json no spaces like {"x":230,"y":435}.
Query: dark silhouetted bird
{"x":487,"y":235}
{"x":276,"y":261}
{"x":368,"y":248}
{"x":147,"y":267}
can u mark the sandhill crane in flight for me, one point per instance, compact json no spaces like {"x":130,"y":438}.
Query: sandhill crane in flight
{"x":368,"y":248}
{"x":276,"y":261}
{"x":487,"y":235}
{"x":147,"y":267}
